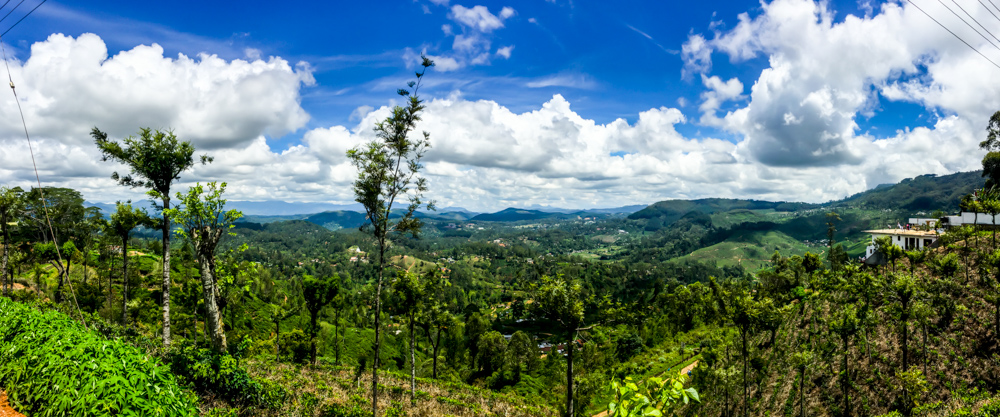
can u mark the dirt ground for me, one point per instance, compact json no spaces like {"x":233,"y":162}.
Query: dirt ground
{"x":5,"y":408}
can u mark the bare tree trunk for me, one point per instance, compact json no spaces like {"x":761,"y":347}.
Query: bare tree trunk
{"x":802,"y":395}
{"x":65,"y":277}
{"x":746,"y":392}
{"x":5,"y":277}
{"x":124,"y":279}
{"x":847,"y":375}
{"x":111,"y":264}
{"x":378,"y":330}
{"x":312,"y":340}
{"x":437,"y":344}
{"x":975,"y":228}
{"x":906,"y":366}
{"x":213,"y":320}
{"x":277,"y":340}
{"x":166,"y":272}
{"x":413,"y":366}
{"x":569,"y":379}
{"x":336,"y":335}
{"x":925,"y":348}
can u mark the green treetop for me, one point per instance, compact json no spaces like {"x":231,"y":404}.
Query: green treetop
{"x":155,"y":160}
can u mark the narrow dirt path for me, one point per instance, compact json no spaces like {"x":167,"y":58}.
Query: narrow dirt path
{"x":5,"y":409}
{"x":689,"y":368}
{"x":684,"y":371}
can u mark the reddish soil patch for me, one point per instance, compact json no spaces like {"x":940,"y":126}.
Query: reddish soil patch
{"x":5,"y":409}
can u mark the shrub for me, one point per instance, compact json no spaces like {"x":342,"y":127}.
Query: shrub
{"x":356,"y":407}
{"x":295,"y":346}
{"x":44,"y":252}
{"x":51,"y":366}
{"x":220,"y":374}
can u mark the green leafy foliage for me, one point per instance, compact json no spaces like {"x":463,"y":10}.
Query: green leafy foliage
{"x":51,"y":366}
{"x":653,"y":398}
{"x":221,"y":374}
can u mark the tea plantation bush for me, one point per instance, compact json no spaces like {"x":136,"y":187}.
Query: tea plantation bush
{"x":52,"y":366}
{"x":220,"y":375}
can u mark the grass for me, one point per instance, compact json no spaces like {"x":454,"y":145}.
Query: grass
{"x":315,"y":388}
{"x":752,"y":250}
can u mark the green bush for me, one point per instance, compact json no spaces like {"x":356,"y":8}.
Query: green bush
{"x":52,"y":366}
{"x":209,"y":372}
{"x":355,"y":407}
{"x":44,"y":252}
{"x":990,"y":409}
{"x":295,"y":346}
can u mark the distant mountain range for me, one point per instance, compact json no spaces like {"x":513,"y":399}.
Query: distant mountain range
{"x":923,"y":193}
{"x":516,"y":214}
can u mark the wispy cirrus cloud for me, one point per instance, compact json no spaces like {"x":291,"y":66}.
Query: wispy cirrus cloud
{"x":471,"y":42}
{"x":647,"y":36}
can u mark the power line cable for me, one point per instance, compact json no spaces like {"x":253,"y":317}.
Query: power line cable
{"x":22,"y":18}
{"x":953,"y":34}
{"x":11,"y":11}
{"x":994,"y":5}
{"x":41,"y":191}
{"x":968,"y":24}
{"x":988,"y":9}
{"x":4,"y":4}
{"x":974,"y":20}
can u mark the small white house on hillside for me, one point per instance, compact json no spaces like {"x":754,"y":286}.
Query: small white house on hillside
{"x":904,"y":238}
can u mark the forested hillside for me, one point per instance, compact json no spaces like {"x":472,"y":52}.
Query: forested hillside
{"x":924,"y":193}
{"x":652,"y":300}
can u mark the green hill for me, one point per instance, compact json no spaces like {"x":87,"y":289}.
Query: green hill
{"x":671,"y":210}
{"x":751,"y":250}
{"x":515,"y":214}
{"x":924,"y":193}
{"x":334,"y":220}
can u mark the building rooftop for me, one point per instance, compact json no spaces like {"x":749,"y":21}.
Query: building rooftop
{"x":903,"y":232}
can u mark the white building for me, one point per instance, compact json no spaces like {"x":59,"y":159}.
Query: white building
{"x":970,"y":217}
{"x":906,"y":239}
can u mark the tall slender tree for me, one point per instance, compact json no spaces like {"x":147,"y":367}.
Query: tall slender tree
{"x":904,"y":293}
{"x":802,"y":359}
{"x":745,"y":313}
{"x":318,"y":293}
{"x":407,"y":299}
{"x":991,"y":161}
{"x":846,"y":324}
{"x":388,"y":170}
{"x":989,"y":201}
{"x":559,"y":303}
{"x":93,"y":222}
{"x":434,"y":317}
{"x":155,"y":160}
{"x":11,"y":207}
{"x":203,"y":220}
{"x":122,"y":222}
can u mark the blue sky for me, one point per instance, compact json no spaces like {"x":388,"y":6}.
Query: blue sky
{"x":507,"y":69}
{"x":610,"y":59}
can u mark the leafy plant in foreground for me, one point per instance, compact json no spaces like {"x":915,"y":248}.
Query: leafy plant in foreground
{"x":51,"y":366}
{"x":651,"y":398}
